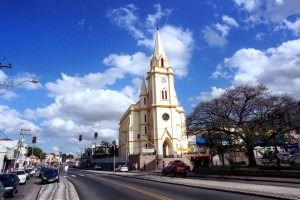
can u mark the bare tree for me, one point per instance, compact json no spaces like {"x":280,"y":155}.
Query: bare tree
{"x":246,"y":114}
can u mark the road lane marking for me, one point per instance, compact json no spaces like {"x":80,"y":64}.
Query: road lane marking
{"x":157,"y":196}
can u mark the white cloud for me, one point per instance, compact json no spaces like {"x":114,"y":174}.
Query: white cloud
{"x":153,"y":18}
{"x":214,"y":38}
{"x":125,"y":17}
{"x":276,"y":67}
{"x":249,"y":5}
{"x":230,"y":21}
{"x":260,"y":36}
{"x":293,"y":26}
{"x":282,"y":14}
{"x":215,"y":93}
{"x":12,"y":121}
{"x":135,"y":64}
{"x":216,"y":34}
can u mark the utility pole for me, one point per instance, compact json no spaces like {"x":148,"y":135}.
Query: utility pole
{"x":20,"y":143}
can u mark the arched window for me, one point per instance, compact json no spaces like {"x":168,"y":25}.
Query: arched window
{"x":145,"y":129}
{"x":162,"y":62}
{"x":164,"y":94}
{"x":144,"y":100}
{"x":145,"y":118}
{"x":146,"y":146}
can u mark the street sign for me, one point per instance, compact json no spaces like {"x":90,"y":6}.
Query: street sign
{"x":144,"y":150}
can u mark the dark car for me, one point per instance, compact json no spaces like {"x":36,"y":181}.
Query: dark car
{"x":175,"y":168}
{"x":1,"y":191}
{"x":29,"y":172}
{"x":42,"y":170}
{"x":50,"y":175}
{"x":10,"y":182}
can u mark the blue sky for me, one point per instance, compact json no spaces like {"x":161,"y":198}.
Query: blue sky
{"x":90,"y":58}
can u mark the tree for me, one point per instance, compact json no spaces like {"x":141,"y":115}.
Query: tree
{"x":246,"y":114}
{"x":34,"y":151}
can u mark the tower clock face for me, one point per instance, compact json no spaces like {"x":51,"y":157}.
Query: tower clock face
{"x":165,"y":116}
{"x":163,"y":80}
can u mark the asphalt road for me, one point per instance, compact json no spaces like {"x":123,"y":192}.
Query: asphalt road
{"x":91,"y":185}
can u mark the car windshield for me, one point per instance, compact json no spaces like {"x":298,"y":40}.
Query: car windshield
{"x":20,"y":172}
{"x":50,"y":171}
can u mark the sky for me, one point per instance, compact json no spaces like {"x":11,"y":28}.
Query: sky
{"x":90,"y":58}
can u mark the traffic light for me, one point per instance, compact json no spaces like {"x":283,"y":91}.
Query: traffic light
{"x":33,"y":139}
{"x":80,"y":137}
{"x":95,"y":135}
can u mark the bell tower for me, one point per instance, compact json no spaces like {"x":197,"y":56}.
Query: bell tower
{"x":167,"y":118}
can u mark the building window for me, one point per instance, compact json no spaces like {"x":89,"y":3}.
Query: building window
{"x":162,"y":62}
{"x":145,"y":129}
{"x":145,"y":118}
{"x":138,"y":136}
{"x":164,"y":94}
{"x":146,"y":146}
{"x":144,"y":100}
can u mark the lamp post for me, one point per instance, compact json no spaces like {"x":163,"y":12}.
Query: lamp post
{"x":12,"y":87}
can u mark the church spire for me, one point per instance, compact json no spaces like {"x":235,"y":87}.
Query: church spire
{"x":159,"y":58}
{"x":158,"y":48}
{"x":143,"y":88}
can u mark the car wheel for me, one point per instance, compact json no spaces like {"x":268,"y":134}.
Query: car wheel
{"x":174,"y":173}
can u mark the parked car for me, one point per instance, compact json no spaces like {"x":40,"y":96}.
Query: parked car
{"x":284,"y":157}
{"x":175,"y":168}
{"x":50,"y":175}
{"x":10,"y":182}
{"x":122,"y":168}
{"x":27,"y":172}
{"x":97,"y":167}
{"x":22,"y":176}
{"x":1,"y":191}
{"x":30,"y":171}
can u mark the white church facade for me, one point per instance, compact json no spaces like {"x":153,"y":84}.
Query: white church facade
{"x":153,"y":129}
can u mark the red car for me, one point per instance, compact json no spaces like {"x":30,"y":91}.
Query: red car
{"x":175,"y":168}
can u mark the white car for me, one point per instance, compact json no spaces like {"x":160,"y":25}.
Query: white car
{"x":122,"y":168}
{"x":22,"y":176}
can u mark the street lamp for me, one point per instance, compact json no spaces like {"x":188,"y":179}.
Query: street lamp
{"x":10,"y":88}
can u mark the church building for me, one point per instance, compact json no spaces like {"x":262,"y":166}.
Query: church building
{"x":153,"y":130}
